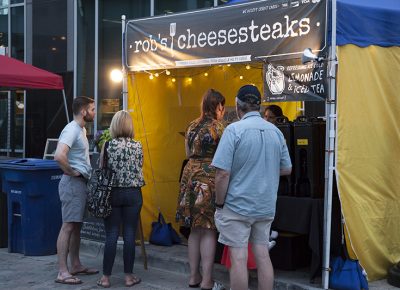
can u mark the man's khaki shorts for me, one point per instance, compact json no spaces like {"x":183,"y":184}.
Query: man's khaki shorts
{"x":237,"y":230}
{"x":73,"y":193}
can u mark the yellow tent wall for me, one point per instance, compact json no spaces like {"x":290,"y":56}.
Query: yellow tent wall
{"x":161,"y":109}
{"x":368,"y":153}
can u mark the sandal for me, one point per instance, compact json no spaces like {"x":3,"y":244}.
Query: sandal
{"x":69,"y":280}
{"x":85,"y":271}
{"x":133,"y":281}
{"x":103,"y":284}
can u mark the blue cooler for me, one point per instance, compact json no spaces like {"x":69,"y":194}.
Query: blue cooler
{"x":34,"y":208}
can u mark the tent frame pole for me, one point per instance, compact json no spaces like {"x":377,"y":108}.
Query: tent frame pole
{"x":329,"y":151}
{"x":124,"y":73}
{"x":65,"y":105}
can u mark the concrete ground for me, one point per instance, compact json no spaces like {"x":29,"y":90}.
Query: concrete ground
{"x":168,"y":268}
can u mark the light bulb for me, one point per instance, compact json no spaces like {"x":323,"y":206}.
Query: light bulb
{"x":156,"y":74}
{"x":173,"y":80}
{"x":247,"y":67}
{"x":190,"y":79}
{"x":167,"y":72}
{"x":116,"y":75}
{"x":206,"y":74}
{"x":241,"y":77}
{"x":151,"y":76}
{"x":228,"y":64}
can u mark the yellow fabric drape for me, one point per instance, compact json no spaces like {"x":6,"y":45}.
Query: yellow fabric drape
{"x":368,"y":153}
{"x":161,"y":110}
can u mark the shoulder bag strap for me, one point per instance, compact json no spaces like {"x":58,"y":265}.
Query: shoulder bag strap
{"x":198,"y":127}
{"x":105,"y":155}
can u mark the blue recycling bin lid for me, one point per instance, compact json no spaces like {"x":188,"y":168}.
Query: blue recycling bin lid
{"x":29,"y":164}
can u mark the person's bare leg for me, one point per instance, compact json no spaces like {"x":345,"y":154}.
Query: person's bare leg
{"x":194,"y":256}
{"x":239,"y":278}
{"x":265,"y":271}
{"x":74,"y":246}
{"x":63,"y":242}
{"x":208,"y":241}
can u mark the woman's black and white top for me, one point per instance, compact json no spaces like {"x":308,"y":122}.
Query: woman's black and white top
{"x":125,"y":158}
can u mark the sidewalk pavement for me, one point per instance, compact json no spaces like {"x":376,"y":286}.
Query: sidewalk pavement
{"x":175,"y":259}
{"x":167,"y":269}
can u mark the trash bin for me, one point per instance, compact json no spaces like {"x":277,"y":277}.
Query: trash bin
{"x":34,"y":208}
{"x":3,"y":214}
{"x":3,"y":220}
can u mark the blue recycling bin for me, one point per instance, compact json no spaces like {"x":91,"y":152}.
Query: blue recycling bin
{"x":34,"y":208}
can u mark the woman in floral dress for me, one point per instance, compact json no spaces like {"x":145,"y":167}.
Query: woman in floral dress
{"x":197,"y":190}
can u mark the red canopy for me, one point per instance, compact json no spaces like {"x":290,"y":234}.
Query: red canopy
{"x":17,"y":74}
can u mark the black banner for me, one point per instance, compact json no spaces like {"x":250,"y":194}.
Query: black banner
{"x":238,"y":33}
{"x":290,"y":80}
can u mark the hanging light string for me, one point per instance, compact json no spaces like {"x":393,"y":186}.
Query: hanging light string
{"x":205,"y":71}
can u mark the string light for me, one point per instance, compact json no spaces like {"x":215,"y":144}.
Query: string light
{"x":189,"y":79}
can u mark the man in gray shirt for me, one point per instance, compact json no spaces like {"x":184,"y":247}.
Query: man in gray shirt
{"x":250,"y":157}
{"x":72,"y":155}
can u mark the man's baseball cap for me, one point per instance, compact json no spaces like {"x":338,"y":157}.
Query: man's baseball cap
{"x":249,"y":94}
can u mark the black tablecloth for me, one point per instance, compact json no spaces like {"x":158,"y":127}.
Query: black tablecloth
{"x":303,"y":215}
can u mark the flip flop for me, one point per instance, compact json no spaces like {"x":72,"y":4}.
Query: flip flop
{"x":102,"y":284}
{"x":69,"y":280}
{"x":134,"y":281}
{"x":86,"y":271}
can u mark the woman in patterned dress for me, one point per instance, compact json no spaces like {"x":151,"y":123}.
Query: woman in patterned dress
{"x":125,"y":157}
{"x":197,"y":190}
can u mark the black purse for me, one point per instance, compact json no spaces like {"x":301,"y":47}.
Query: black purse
{"x":99,"y":189}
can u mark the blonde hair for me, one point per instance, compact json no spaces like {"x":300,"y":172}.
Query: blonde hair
{"x":121,"y":125}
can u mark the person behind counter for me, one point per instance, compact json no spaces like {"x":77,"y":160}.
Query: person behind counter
{"x":272,"y":112}
{"x":196,"y":205}
{"x":125,"y":157}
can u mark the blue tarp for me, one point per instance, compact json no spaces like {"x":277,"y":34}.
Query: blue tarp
{"x":366,"y":22}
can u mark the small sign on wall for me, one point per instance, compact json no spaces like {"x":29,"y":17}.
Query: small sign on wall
{"x":290,"y":80}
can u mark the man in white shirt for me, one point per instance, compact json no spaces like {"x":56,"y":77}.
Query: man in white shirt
{"x":72,"y":155}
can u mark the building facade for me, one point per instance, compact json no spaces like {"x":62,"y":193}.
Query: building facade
{"x":79,"y":40}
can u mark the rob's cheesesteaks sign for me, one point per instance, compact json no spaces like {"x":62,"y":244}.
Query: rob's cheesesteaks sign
{"x":227,"y":34}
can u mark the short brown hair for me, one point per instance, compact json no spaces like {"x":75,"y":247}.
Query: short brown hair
{"x":121,"y":125}
{"x":211,"y":99}
{"x":79,"y":103}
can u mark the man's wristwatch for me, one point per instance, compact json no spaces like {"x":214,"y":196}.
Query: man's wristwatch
{"x":219,"y":205}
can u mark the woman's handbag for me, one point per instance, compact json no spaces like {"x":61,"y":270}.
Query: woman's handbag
{"x":346,"y":273}
{"x":163,"y":234}
{"x":99,"y":187}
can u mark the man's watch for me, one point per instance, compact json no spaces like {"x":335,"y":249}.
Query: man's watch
{"x":219,"y":205}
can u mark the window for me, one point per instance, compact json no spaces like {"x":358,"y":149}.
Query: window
{"x":17,"y":33}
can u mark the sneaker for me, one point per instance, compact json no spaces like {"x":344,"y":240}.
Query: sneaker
{"x":271,"y":244}
{"x":218,"y":286}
